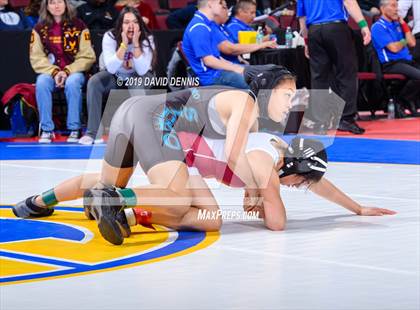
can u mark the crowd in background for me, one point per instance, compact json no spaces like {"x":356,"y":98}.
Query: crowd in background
{"x":61,"y":52}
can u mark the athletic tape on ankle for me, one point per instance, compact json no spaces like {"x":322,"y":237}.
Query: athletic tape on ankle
{"x":129,"y":196}
{"x":49,"y":198}
{"x":131,"y":216}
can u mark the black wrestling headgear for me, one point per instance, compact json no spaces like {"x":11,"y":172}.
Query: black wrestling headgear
{"x":264,"y":77}
{"x":305,"y":157}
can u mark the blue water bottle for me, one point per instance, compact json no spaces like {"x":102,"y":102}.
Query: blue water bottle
{"x":289,"y":37}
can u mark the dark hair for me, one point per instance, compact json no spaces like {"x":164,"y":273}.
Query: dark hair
{"x":33,"y":8}
{"x":242,"y":4}
{"x":145,"y":33}
{"x":47,"y":18}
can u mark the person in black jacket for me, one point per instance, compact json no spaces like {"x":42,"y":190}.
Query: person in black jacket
{"x":180,"y":18}
{"x":98,"y":14}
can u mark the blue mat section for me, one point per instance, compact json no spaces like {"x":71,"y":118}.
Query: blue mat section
{"x":343,"y":150}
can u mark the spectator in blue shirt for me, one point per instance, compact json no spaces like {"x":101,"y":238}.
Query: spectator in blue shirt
{"x":244,"y":14}
{"x":203,"y":55}
{"x":330,"y":46}
{"x":391,"y":36}
{"x":224,"y":42}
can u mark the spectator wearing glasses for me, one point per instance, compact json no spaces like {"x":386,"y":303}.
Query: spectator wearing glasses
{"x":391,"y":39}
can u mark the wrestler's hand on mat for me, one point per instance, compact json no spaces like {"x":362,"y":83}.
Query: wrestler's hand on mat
{"x":367,"y":211}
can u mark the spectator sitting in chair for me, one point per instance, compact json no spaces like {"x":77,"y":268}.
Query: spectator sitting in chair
{"x":60,"y":53}
{"x":204,"y":58}
{"x":391,"y":36}
{"x":244,"y":14}
{"x":127,"y":51}
{"x":11,"y":19}
{"x":230,"y":50}
{"x":98,"y":14}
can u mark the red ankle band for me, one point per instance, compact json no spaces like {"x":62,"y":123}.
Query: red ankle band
{"x":143,"y":217}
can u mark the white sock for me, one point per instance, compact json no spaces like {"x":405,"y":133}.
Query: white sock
{"x":131,"y":218}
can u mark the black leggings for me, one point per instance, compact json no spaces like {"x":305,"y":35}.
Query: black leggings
{"x":411,"y":70}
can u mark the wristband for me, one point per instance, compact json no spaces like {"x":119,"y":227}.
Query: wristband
{"x":405,"y":28}
{"x":362,"y":24}
{"x":67,"y":71}
{"x":123,"y":45}
{"x":137,"y":46}
{"x":403,"y":42}
{"x":306,"y":41}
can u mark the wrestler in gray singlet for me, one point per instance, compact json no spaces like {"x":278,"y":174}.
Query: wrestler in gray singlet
{"x":144,"y":128}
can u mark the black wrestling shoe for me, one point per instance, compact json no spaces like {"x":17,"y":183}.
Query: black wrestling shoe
{"x":27,"y":209}
{"x":350,"y":127}
{"x":107,"y":208}
{"x":88,"y":212}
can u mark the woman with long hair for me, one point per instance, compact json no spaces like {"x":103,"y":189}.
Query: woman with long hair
{"x":127,"y":51}
{"x":60,"y":53}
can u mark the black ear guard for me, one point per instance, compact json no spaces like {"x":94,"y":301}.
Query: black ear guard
{"x":303,"y":157}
